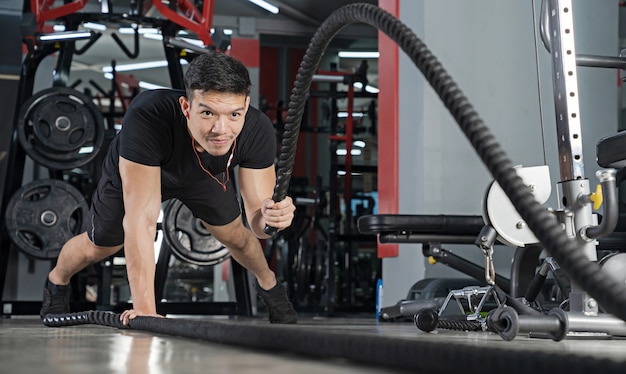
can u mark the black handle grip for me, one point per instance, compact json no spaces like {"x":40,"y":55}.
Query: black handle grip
{"x":535,"y":287}
{"x":269,"y":230}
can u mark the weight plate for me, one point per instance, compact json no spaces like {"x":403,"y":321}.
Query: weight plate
{"x":60,"y":128}
{"x":302,"y":271}
{"x":319,"y":272}
{"x":188,"y":239}
{"x":42,"y":215}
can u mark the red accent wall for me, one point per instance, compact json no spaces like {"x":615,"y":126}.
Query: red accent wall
{"x":246,"y":50}
{"x":270,"y":74}
{"x":268,"y":78}
{"x":388,"y":126}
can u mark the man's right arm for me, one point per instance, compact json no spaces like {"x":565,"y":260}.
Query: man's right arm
{"x":141,"y":186}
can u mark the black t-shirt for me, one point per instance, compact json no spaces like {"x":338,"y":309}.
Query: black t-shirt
{"x":154,"y":133}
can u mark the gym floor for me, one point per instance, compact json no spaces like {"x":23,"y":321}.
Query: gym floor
{"x":356,"y":345}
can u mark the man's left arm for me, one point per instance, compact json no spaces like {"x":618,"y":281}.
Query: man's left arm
{"x":257,"y":188}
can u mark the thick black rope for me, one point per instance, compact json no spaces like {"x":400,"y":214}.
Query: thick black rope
{"x":609,"y":293}
{"x":421,"y":354}
{"x":93,"y":317}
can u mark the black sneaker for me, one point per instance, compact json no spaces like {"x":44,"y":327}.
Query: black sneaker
{"x":278,"y":305}
{"x":56,"y":299}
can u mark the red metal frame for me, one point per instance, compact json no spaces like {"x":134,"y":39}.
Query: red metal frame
{"x":191,"y":19}
{"x":131,"y":82}
{"x":43,"y":11}
{"x":388,"y":158}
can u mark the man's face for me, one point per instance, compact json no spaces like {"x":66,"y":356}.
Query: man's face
{"x":214,"y":119}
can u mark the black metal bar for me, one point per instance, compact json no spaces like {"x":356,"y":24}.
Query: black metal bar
{"x":10,"y":61}
{"x":104,"y":284}
{"x":410,"y":237}
{"x":525,"y":260}
{"x":127,"y":52}
{"x":242,"y":289}
{"x":64,"y":63}
{"x":334,"y":216}
{"x":172,"y":55}
{"x":86,"y":46}
{"x":601,"y":61}
{"x":15,"y":154}
{"x":162,"y":266}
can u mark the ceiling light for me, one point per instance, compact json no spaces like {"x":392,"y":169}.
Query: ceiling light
{"x":142,"y":84}
{"x":265,"y":5}
{"x":353,"y":54}
{"x":354,"y":115}
{"x":359,"y":143}
{"x":353,"y":152}
{"x":94,"y":26}
{"x":139,"y":66}
{"x":152,"y":36}
{"x":136,"y":66}
{"x":149,"y":86}
{"x":65,"y":35}
{"x":140,"y":30}
{"x":343,"y":172}
{"x":368,"y":88}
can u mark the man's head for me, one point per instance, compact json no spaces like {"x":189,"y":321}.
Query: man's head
{"x":219,"y":72}
{"x":217,"y":100}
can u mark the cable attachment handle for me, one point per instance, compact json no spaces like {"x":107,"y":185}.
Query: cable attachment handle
{"x":490,"y":270}
{"x":485,"y":241}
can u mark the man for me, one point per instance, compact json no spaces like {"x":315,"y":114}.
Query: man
{"x":184,"y":145}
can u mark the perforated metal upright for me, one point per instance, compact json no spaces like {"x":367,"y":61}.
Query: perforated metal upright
{"x":569,"y":137}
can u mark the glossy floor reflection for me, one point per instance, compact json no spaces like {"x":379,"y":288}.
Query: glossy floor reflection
{"x":26,"y":346}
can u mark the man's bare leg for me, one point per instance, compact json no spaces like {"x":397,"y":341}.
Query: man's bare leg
{"x":246,"y":250}
{"x":76,"y":254}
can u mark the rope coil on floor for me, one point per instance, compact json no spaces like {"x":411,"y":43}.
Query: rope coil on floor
{"x":405,"y":353}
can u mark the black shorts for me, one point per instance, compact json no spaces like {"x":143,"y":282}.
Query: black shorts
{"x":207,"y":201}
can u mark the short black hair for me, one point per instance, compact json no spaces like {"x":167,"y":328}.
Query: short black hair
{"x":216,"y":71}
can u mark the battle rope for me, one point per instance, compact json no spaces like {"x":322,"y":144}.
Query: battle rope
{"x":430,"y":354}
{"x":610,"y":294}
